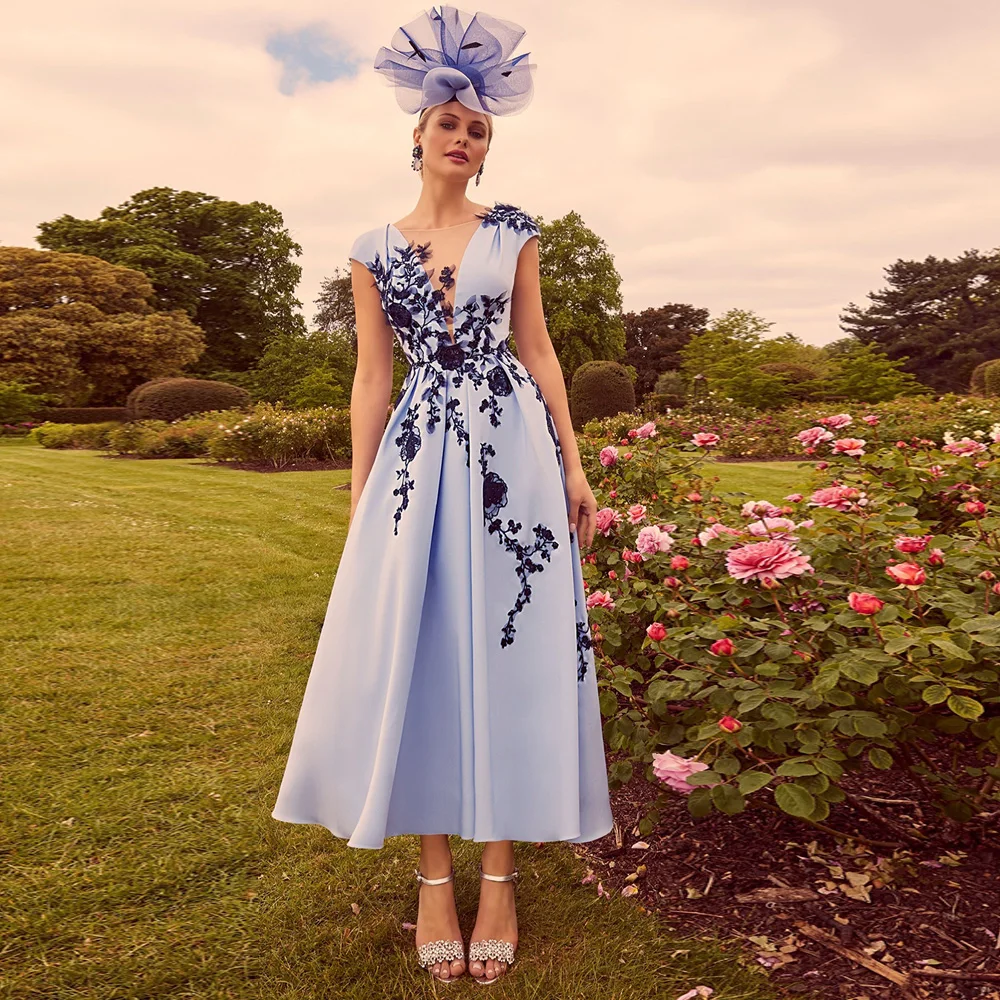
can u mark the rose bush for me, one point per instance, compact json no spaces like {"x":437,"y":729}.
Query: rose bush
{"x":782,"y":643}
{"x":746,"y":433}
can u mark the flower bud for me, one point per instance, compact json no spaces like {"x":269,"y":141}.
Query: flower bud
{"x":723,"y":647}
{"x":730,"y":725}
{"x":656,"y":631}
{"x":679,"y":563}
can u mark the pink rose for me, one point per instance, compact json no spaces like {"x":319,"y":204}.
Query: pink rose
{"x":636,"y":513}
{"x":965,"y":447}
{"x":813,"y":436}
{"x":849,"y":446}
{"x":730,"y":725}
{"x":794,"y":497}
{"x":672,"y":582}
{"x":600,"y":599}
{"x":775,"y":558}
{"x":679,"y":563}
{"x":936,"y":557}
{"x":759,"y":508}
{"x":694,"y":497}
{"x":609,"y":455}
{"x":716,"y":531}
{"x":907,"y":574}
{"x":612,"y":574}
{"x":647,"y":430}
{"x":871,"y":419}
{"x":606,"y":519}
{"x":673,"y":770}
{"x":656,"y":631}
{"x":705,"y":440}
{"x":723,"y":647}
{"x":865,"y":604}
{"x":772,"y":527}
{"x":912,"y":543}
{"x":653,"y":539}
{"x":837,"y":421}
{"x":974,"y":507}
{"x":837,"y":497}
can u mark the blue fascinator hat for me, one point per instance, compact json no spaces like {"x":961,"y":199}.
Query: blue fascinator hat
{"x":446,"y":54}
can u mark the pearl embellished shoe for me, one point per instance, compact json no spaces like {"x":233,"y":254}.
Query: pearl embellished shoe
{"x":502,"y":951}
{"x":440,"y":951}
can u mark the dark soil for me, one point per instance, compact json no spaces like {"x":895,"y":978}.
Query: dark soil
{"x":302,"y":465}
{"x":757,"y":875}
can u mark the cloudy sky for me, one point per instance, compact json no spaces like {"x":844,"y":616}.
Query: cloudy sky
{"x":773,"y":155}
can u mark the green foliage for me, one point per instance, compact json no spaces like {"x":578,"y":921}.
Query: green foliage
{"x":93,"y":436}
{"x":600,"y":389}
{"x":942,"y":316}
{"x":17,"y":403}
{"x":82,"y":331}
{"x":171,"y":399}
{"x":811,"y":688}
{"x":226,"y":265}
{"x":991,"y":380}
{"x":654,"y":339}
{"x":977,"y":382}
{"x":669,"y":392}
{"x":581,"y":293}
{"x":868,"y":375}
{"x":81,"y":414}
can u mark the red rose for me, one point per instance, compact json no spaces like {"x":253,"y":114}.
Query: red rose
{"x":723,"y":647}
{"x":907,"y":574}
{"x":729,"y":724}
{"x":865,"y":604}
{"x":679,"y":563}
{"x":656,"y":631}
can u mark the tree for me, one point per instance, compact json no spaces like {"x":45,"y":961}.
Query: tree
{"x":85,"y":331}
{"x":868,"y":375}
{"x":228,"y":265}
{"x":335,"y":305}
{"x":581,"y":294}
{"x":942,"y":315}
{"x":655,"y":337}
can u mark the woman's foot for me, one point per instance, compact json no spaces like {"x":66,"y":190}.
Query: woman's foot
{"x":437,"y":920}
{"x":496,"y":920}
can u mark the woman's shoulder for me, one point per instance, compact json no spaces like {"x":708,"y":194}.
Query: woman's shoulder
{"x":364,"y":245}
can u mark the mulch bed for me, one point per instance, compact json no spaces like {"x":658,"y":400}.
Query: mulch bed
{"x":810,"y":906}
{"x":303,"y":465}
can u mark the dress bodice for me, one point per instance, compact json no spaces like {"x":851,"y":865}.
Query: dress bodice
{"x":474,"y":278}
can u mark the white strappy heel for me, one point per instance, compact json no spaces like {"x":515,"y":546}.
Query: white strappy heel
{"x":501,"y":951}
{"x":440,"y":951}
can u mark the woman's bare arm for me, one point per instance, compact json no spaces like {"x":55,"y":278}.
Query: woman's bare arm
{"x":536,"y":353}
{"x":372,"y":378}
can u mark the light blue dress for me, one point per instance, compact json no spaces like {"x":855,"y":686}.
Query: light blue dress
{"x":453,"y":687}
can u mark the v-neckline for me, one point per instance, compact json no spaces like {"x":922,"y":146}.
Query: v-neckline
{"x":460,"y":270}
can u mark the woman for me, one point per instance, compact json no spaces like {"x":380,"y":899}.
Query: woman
{"x":453,"y":687}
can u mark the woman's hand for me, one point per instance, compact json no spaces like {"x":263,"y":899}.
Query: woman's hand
{"x":582,"y":506}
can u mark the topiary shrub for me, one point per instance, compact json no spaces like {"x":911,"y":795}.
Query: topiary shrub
{"x":794,"y":371}
{"x":977,"y":384}
{"x":131,"y":398}
{"x":172,"y":399}
{"x":992,"y":380}
{"x":600,"y":389}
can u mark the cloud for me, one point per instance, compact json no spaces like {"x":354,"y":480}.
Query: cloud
{"x":774,"y":157}
{"x":310,"y":55}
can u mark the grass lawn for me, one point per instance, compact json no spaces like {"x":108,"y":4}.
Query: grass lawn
{"x":759,"y":480}
{"x":160,"y":622}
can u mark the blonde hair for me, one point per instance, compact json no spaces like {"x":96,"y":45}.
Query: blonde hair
{"x":426,"y":114}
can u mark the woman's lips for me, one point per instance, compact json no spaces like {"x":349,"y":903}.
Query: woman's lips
{"x":456,"y":157}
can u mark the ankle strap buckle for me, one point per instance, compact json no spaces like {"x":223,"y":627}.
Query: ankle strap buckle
{"x":499,"y":878}
{"x":433,"y":881}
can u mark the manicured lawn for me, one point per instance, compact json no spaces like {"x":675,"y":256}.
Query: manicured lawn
{"x":160,"y":619}
{"x":759,"y":480}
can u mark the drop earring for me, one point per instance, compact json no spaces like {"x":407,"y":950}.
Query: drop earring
{"x":479,"y":172}
{"x":418,"y":158}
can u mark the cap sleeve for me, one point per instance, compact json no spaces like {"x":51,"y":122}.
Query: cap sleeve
{"x":526,"y":227}
{"x":360,"y":249}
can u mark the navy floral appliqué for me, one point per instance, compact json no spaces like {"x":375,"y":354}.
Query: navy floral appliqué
{"x":495,"y":498}
{"x":583,"y":643}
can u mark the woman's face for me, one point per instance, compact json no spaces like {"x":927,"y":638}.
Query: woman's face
{"x":452,"y":130}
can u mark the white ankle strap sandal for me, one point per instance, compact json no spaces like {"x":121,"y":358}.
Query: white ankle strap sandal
{"x":501,"y":951}
{"x":439,"y":951}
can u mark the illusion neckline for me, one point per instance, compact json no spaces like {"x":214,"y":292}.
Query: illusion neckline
{"x":438,"y":229}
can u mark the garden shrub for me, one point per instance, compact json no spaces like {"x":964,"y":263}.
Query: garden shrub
{"x":136,"y":437}
{"x":174,"y":398}
{"x":600,"y":389}
{"x":977,"y":384}
{"x":775,"y":647}
{"x":81,"y":414}
{"x":991,"y":380}
{"x":93,"y":436}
